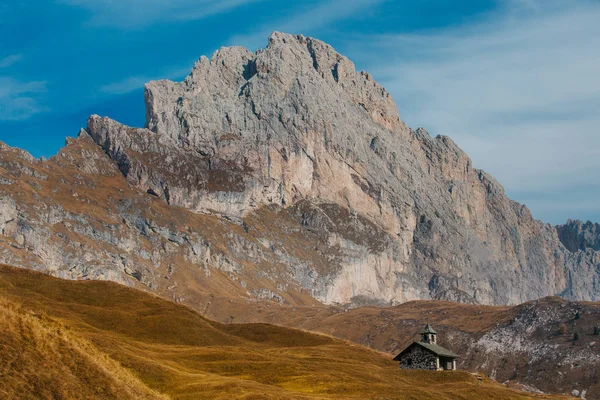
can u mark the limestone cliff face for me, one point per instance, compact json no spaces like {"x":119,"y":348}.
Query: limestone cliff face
{"x":319,"y":189}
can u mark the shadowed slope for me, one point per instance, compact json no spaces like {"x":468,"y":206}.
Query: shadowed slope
{"x":141,"y":341}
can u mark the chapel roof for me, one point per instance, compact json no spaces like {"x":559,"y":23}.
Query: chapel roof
{"x":434,"y":348}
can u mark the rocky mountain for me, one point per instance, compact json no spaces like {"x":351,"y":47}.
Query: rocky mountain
{"x":287,"y":175}
{"x":579,"y":236}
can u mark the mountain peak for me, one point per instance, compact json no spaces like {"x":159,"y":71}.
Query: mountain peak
{"x":290,"y":173}
{"x":294,"y":126}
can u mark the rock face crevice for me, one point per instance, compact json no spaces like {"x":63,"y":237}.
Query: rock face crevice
{"x":336,"y":198}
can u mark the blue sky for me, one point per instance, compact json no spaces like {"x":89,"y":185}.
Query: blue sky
{"x":516,"y":83}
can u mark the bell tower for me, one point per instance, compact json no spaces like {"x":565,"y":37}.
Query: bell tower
{"x":428,"y":335}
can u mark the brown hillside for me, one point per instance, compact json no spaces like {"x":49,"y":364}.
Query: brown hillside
{"x":84,"y":339}
{"x":41,"y":358}
{"x":530,"y":344}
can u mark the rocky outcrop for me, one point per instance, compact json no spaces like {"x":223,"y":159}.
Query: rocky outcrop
{"x":579,"y":236}
{"x":549,"y":334}
{"x":287,"y":175}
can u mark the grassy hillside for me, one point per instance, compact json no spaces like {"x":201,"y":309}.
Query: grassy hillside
{"x":89,"y":339}
{"x":529,"y":344}
{"x":41,"y":358}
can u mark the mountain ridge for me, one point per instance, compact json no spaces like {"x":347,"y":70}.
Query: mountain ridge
{"x":305,"y":187}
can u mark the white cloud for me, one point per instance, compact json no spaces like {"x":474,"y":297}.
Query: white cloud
{"x":132,"y":83}
{"x":519,"y":92}
{"x":19,"y":100}
{"x":10,"y":60}
{"x":310,"y":19}
{"x":141,"y":13}
{"x":125,"y":86}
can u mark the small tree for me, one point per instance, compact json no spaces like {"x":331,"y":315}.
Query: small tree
{"x":575,"y":337}
{"x":597,"y":331}
{"x":577,"y":315}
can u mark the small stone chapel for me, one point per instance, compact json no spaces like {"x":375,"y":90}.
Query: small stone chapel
{"x":427,"y":354}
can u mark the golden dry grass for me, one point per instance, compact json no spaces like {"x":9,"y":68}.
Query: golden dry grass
{"x":84,"y":339}
{"x":41,"y":359}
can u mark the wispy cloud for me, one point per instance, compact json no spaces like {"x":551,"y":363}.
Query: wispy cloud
{"x":19,"y":100}
{"x":10,"y":60}
{"x":141,"y":13}
{"x":520,"y":91}
{"x":307,"y":20}
{"x":132,"y":83}
{"x":124,"y":86}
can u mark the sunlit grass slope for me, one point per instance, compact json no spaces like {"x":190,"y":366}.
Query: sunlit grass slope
{"x":89,"y":339}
